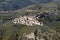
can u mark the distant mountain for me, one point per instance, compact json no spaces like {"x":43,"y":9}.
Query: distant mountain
{"x":13,"y":4}
{"x":41,"y":1}
{"x":6,"y":5}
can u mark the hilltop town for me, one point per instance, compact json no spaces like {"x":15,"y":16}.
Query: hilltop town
{"x":27,"y":20}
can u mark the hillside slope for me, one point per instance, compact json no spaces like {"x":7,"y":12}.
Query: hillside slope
{"x":11,"y":31}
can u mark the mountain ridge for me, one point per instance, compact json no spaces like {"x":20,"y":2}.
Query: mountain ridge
{"x":6,"y":5}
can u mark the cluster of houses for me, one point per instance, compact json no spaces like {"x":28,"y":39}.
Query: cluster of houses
{"x":27,"y":20}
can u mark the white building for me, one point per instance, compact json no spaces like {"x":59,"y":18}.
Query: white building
{"x":30,"y":36}
{"x":27,"y":20}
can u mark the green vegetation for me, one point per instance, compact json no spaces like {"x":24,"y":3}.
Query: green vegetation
{"x":10,"y":31}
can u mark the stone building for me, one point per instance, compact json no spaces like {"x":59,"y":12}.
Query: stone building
{"x":27,"y":20}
